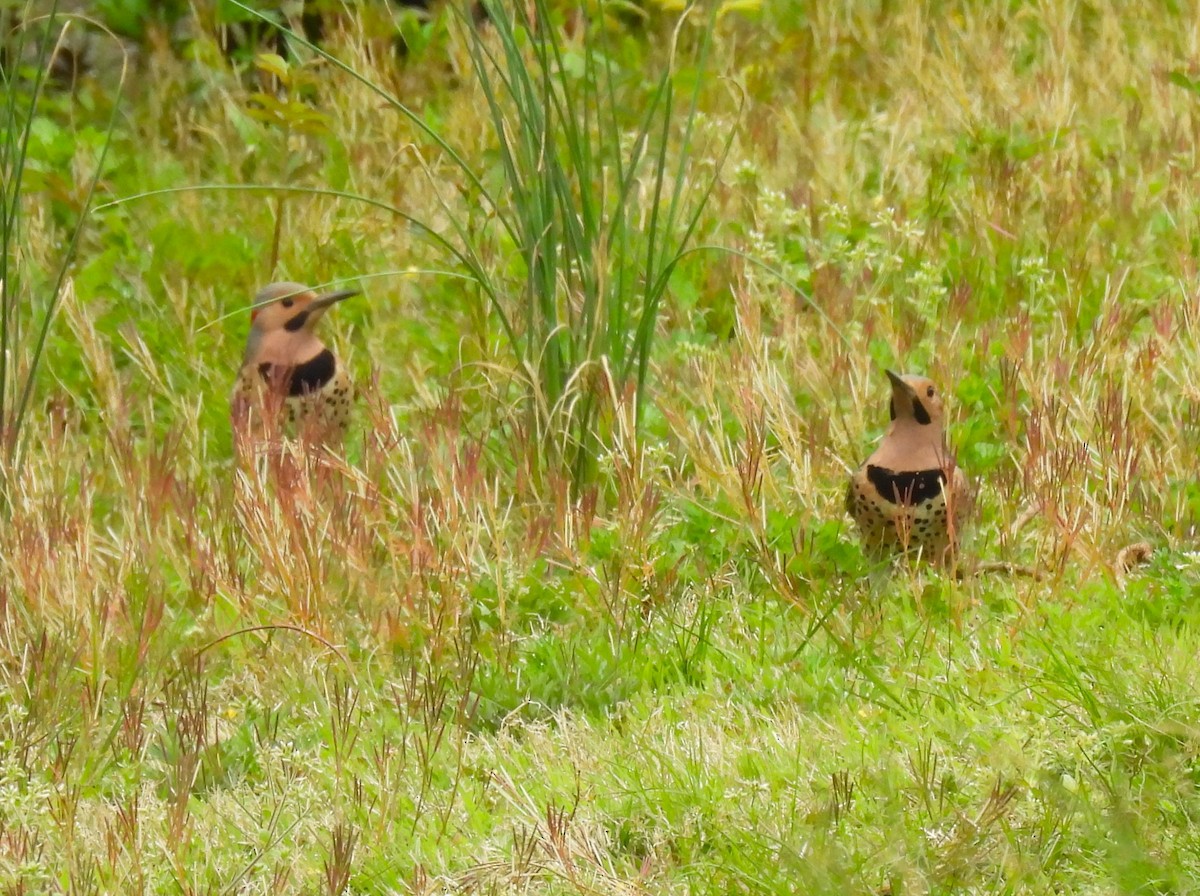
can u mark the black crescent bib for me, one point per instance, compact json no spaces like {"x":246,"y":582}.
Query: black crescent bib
{"x":303,"y":379}
{"x":909,"y":488}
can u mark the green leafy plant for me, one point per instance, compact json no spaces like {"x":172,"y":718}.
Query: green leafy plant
{"x":33,"y":275}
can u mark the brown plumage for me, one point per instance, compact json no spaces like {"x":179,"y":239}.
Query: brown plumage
{"x":910,"y":494}
{"x":290,"y":383}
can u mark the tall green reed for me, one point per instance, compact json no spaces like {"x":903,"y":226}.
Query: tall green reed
{"x":599,"y":200}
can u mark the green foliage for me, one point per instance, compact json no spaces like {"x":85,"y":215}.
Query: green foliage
{"x":36,"y":149}
{"x":130,"y":18}
{"x":598,"y":209}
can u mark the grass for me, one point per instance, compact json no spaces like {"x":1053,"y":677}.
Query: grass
{"x":600,"y":215}
{"x":414,"y":669}
{"x":29,"y":297}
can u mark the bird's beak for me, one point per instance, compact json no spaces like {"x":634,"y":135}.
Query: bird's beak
{"x":899,"y":387}
{"x":317,"y":308}
{"x":320,"y":303}
{"x":903,"y":395}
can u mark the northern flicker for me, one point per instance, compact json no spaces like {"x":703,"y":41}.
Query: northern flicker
{"x":910,"y":494}
{"x":290,"y":382}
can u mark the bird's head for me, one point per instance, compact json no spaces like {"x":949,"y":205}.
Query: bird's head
{"x":281,"y":329}
{"x":915,"y":398}
{"x":292,"y":307}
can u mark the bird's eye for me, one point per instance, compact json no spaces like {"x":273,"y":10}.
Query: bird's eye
{"x":287,"y":303}
{"x":929,"y":391}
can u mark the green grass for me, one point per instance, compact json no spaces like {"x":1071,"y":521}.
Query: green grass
{"x":421,"y":668}
{"x":29,"y":296}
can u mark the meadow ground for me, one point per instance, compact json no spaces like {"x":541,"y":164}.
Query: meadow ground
{"x":486,"y":651}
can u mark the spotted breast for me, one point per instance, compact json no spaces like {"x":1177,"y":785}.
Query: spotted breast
{"x":907,"y":510}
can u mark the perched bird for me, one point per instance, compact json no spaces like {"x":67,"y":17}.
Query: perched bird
{"x":290,"y":383}
{"x":910,"y":494}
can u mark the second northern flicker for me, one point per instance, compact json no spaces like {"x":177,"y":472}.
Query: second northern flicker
{"x":910,"y":494}
{"x":290,"y":382}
